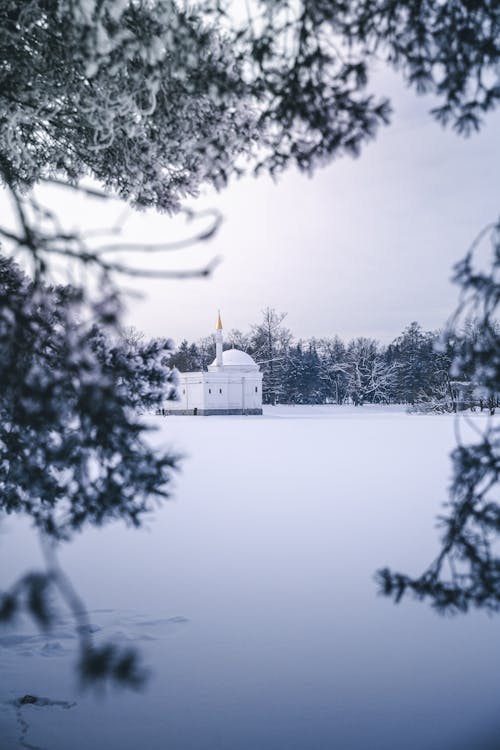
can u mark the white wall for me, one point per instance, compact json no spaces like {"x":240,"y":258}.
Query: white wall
{"x":216,"y":394}
{"x":252,"y":397}
{"x":190,"y":392}
{"x":216,"y":390}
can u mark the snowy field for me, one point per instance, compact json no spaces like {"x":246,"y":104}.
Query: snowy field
{"x":251,"y":596}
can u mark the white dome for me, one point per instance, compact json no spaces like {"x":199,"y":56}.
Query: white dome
{"x":237,"y":359}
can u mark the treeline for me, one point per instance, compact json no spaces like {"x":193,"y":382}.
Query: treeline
{"x":415,"y":369}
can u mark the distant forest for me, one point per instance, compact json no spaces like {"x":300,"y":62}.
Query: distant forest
{"x":414,"y":369}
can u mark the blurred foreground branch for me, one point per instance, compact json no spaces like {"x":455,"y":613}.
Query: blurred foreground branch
{"x":466,"y":572}
{"x":74,"y":449}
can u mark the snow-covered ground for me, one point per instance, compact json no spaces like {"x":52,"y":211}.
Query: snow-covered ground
{"x":251,"y":596}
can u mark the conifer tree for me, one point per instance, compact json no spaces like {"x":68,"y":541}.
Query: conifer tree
{"x":74,"y":451}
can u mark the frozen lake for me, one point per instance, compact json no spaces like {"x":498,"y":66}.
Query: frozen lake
{"x":251,"y":596}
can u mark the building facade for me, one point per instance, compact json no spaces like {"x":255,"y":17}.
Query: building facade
{"x":232,"y":385}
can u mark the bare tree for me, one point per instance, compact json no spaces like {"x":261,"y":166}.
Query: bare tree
{"x":270,"y":340}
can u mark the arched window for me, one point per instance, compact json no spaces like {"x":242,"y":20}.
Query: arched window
{"x":256,"y":389}
{"x":220,"y":390}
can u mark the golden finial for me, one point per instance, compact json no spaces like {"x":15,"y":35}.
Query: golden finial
{"x":218,"y":327}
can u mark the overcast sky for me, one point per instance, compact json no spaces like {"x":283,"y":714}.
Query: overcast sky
{"x":363,"y":247}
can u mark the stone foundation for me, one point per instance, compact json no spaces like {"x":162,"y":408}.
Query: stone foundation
{"x":210,"y":412}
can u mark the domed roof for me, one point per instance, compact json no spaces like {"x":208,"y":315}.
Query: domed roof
{"x":237,"y":359}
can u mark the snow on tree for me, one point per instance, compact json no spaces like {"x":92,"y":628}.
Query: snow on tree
{"x":144,"y":97}
{"x":333,"y":368}
{"x":293,"y":384}
{"x":186,"y":358}
{"x":270,"y":341}
{"x":302,"y":382}
{"x":206,"y":349}
{"x":73,"y":448}
{"x":369,"y":379}
{"x":413,"y":353}
{"x":466,"y":572}
{"x":238,"y":340}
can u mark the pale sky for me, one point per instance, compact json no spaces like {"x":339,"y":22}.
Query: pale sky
{"x":363,"y":247}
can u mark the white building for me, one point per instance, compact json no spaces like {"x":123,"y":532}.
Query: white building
{"x":232,"y":385}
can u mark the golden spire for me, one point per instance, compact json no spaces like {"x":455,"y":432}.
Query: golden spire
{"x":218,"y":327}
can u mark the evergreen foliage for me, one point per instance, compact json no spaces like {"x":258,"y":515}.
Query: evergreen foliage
{"x":466,"y":572}
{"x":73,"y":448}
{"x":144,"y":97}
